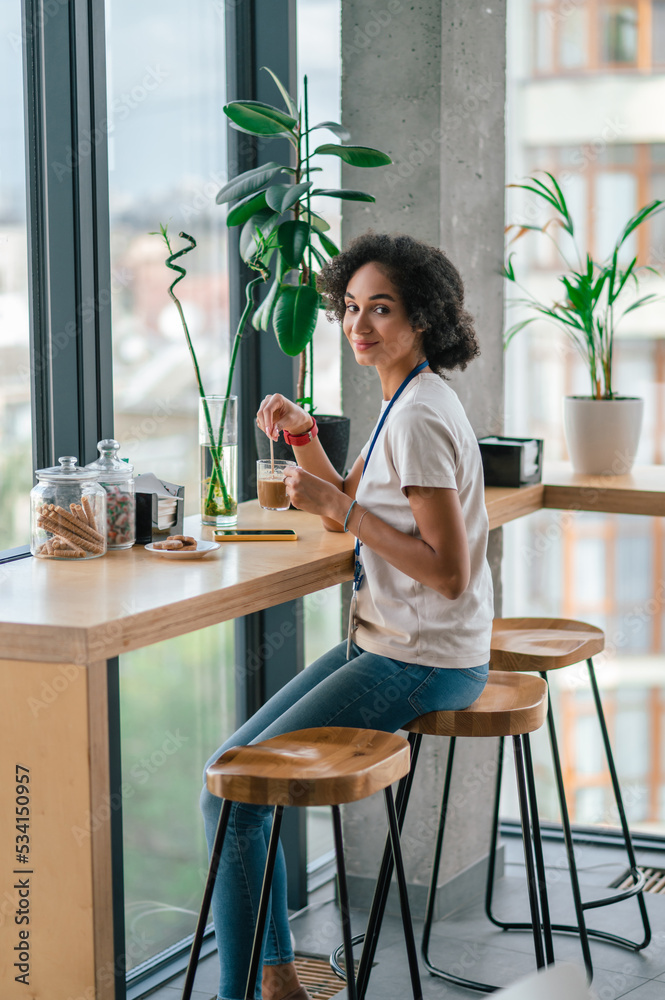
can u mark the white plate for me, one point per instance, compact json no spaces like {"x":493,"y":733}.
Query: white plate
{"x":202,"y":549}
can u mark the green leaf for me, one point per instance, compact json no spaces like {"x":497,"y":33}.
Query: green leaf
{"x":248,"y":183}
{"x":335,"y":128}
{"x":265,"y":222}
{"x":258,"y":118}
{"x":281,"y":197}
{"x":293,"y":238}
{"x":294,"y":317}
{"x":315,"y":221}
{"x":345,"y":193}
{"x":653,"y":208}
{"x":291,"y":105}
{"x":357,"y":156}
{"x":640,"y":302}
{"x":262,"y":316}
{"x":331,"y":249}
{"x":246,"y":208}
{"x":515,"y":328}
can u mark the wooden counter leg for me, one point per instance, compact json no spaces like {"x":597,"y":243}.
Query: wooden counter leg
{"x":56,"y":919}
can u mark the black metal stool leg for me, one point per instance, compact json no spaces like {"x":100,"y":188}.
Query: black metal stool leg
{"x":380,"y":898}
{"x":431,"y":894}
{"x":532,"y":882}
{"x":538,"y":851}
{"x":273,"y":844}
{"x":403,"y":896}
{"x":494,"y":838}
{"x":618,"y":798}
{"x":581,"y":927}
{"x":436,"y":862}
{"x":344,"y":905}
{"x":213,"y":867}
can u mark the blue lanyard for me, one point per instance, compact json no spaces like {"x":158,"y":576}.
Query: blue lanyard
{"x":358,"y":575}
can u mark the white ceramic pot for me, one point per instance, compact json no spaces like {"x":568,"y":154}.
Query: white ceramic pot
{"x":602,"y":434}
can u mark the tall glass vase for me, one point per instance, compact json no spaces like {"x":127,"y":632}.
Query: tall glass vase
{"x":218,"y":441}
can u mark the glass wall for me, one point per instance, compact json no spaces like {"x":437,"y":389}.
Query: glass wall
{"x":15,"y":419}
{"x":167,"y":160}
{"x":177,"y":706}
{"x":319,"y":23}
{"x":604,"y":569}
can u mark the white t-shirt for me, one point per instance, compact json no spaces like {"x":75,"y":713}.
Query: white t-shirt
{"x":427,"y":440}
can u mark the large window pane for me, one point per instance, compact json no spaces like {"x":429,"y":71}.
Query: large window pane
{"x":573,"y":38}
{"x":15,"y":419}
{"x":618,"y":34}
{"x":616,"y":201}
{"x":658,"y":32}
{"x":177,"y":707}
{"x":166,"y":91}
{"x":167,"y":162}
{"x":319,"y":26}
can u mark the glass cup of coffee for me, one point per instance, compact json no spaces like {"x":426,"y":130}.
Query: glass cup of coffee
{"x":270,"y":485}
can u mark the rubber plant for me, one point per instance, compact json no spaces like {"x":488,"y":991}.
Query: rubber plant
{"x":273,"y":202}
{"x":588,"y":312}
{"x":218,"y":501}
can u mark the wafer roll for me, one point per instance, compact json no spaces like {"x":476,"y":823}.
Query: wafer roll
{"x":88,"y":513}
{"x":56,"y":528}
{"x":72,"y":525}
{"x":77,"y":511}
{"x":79,"y":526}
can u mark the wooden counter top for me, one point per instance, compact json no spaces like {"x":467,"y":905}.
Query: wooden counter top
{"x":128,"y":599}
{"x":84,"y":612}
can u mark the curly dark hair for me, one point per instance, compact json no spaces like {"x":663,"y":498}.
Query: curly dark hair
{"x":428,"y":283}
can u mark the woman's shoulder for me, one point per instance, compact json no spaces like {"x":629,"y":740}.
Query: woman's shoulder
{"x":431,"y":394}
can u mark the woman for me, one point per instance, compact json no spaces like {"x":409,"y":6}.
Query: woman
{"x":421,"y":618}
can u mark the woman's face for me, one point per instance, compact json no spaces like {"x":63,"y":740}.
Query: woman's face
{"x":375,"y":321}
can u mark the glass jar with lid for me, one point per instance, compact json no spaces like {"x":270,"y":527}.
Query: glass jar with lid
{"x":67,"y":513}
{"x":116,"y":476}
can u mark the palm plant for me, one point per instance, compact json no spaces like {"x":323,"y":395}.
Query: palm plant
{"x":589,"y":311}
{"x":299,"y":243}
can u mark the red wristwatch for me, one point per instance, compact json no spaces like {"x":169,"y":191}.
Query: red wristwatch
{"x":300,"y":439}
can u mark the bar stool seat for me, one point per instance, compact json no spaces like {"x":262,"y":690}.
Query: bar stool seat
{"x":545,"y":644}
{"x":309,"y":767}
{"x":512,"y":704}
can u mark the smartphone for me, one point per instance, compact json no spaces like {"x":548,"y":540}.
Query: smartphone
{"x":254,"y":535}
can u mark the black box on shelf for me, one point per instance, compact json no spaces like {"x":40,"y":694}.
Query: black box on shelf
{"x":509,"y":461}
{"x":159,"y":508}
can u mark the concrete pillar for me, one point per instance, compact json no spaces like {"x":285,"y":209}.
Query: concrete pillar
{"x":425,"y":81}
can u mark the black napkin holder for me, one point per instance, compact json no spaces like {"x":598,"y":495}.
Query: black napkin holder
{"x":147,"y":512}
{"x":510,"y":461}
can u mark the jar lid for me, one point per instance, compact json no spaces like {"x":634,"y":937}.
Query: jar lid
{"x":67,"y":470}
{"x":108,"y":467}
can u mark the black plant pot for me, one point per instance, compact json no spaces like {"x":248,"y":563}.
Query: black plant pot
{"x":333,"y":434}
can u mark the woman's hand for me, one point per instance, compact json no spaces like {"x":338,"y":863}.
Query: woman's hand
{"x":277,"y":413}
{"x":314,"y":495}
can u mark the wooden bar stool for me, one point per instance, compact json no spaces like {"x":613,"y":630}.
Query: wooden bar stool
{"x":544,"y":644}
{"x":511,"y":705}
{"x":310,"y":767}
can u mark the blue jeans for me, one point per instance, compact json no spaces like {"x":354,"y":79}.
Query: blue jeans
{"x":367,"y":691}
